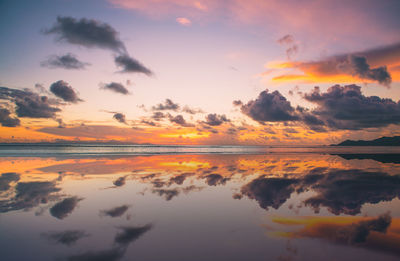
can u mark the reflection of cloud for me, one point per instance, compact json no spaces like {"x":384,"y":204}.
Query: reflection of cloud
{"x":115,"y":212}
{"x":377,"y":234}
{"x":215,"y":179}
{"x":345,"y":191}
{"x":68,"y":237}
{"x":112,"y":254}
{"x":131,"y":234}
{"x":119,"y":182}
{"x":29,"y":195}
{"x":167,"y":193}
{"x":65,"y":207}
{"x":122,"y":241}
{"x":6,"y":179}
{"x":341,"y":191}
{"x":269,"y":192}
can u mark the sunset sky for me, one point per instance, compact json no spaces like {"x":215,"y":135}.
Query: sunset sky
{"x":199,"y":71}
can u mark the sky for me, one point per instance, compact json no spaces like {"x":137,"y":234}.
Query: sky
{"x":199,"y":72}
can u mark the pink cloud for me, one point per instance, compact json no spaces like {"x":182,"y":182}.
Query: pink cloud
{"x":184,"y":21}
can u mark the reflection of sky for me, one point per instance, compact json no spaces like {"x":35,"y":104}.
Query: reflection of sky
{"x":197,"y":207}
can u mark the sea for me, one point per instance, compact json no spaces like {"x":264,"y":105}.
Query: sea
{"x":154,"y":202}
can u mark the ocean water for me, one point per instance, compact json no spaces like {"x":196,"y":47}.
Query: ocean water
{"x":199,"y":203}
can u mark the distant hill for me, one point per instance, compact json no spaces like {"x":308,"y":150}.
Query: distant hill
{"x":384,"y":141}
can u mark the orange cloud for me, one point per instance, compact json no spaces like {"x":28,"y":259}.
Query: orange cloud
{"x":338,"y":69}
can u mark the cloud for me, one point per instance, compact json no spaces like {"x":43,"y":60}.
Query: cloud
{"x":178,"y":119}
{"x":64,"y":91}
{"x":29,"y":195}
{"x":357,"y":65}
{"x":115,"y":87}
{"x":6,"y":120}
{"x":167,"y":105}
{"x":184,"y":21}
{"x":167,"y":193}
{"x":120,"y":117}
{"x":68,"y":237}
{"x":291,"y":47}
{"x":189,"y":110}
{"x":65,"y":207}
{"x":86,"y":32}
{"x":214,"y":119}
{"x":348,"y":67}
{"x":115,"y":212}
{"x":237,"y":103}
{"x":67,"y":61}
{"x":30,"y":104}
{"x":6,"y":179}
{"x":270,"y":107}
{"x":131,"y":65}
{"x":131,"y":234}
{"x":345,"y":107}
{"x":158,"y":116}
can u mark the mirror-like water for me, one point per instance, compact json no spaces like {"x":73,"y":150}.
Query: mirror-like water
{"x":276,"y":206}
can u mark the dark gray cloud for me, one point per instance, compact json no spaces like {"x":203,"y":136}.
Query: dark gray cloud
{"x":30,"y":104}
{"x":115,"y":212}
{"x":67,"y":61}
{"x":357,"y":65}
{"x":6,"y":120}
{"x":29,"y":195}
{"x":345,"y":107}
{"x":68,"y":237}
{"x":158,"y":116}
{"x":6,"y":179}
{"x":131,"y":234}
{"x":167,"y":105}
{"x":64,"y":91}
{"x":190,"y":110}
{"x":120,"y":117}
{"x":150,"y":123}
{"x":131,"y":65}
{"x":237,"y":103}
{"x":86,"y":32}
{"x":178,"y":119}
{"x":65,"y":207}
{"x":214,"y":119}
{"x":115,"y":87}
{"x":340,"y":107}
{"x":270,"y":107}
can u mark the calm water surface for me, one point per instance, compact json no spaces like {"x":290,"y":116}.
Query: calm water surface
{"x":227,"y":203}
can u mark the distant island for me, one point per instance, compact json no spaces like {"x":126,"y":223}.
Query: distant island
{"x":384,"y":141}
